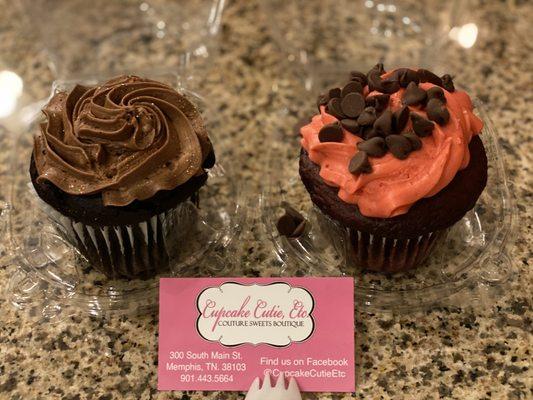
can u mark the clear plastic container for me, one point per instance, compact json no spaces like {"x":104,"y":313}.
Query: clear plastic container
{"x":88,"y":42}
{"x":91,"y":38}
{"x":53,"y":274}
{"x":181,"y":37}
{"x":345,"y":35}
{"x":465,"y":267}
{"x":472,"y":263}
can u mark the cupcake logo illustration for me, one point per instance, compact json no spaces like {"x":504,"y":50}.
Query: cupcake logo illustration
{"x":276,"y":314}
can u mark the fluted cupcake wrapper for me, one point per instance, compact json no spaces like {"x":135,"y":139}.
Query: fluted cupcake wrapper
{"x":137,"y":251}
{"x":382,"y":254}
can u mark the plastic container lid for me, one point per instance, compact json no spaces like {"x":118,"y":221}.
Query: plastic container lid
{"x":473,"y":259}
{"x":53,"y":276}
{"x":100,"y":37}
{"x":344,"y":35}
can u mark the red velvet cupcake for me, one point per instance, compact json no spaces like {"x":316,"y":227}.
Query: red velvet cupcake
{"x":394,"y":157}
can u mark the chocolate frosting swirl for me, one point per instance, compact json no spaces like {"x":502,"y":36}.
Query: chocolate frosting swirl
{"x":125,"y":140}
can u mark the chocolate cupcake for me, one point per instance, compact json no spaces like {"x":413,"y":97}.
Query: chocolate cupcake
{"x":115,"y":164}
{"x":394,"y":157}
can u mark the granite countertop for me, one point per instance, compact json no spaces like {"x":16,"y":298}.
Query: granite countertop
{"x":467,"y":351}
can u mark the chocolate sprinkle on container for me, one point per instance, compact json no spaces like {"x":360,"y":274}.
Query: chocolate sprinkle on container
{"x":291,"y":224}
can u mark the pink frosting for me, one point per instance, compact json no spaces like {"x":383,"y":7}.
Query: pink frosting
{"x":395,"y":185}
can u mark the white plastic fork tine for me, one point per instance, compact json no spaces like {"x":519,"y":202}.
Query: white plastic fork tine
{"x":266,"y":381}
{"x":280,"y":384}
{"x":254,"y":391}
{"x":293,"y":389}
{"x":279,"y":392}
{"x":293,"y":385}
{"x":255,"y":385}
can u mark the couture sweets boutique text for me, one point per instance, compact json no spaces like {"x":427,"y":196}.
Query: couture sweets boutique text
{"x":255,"y":313}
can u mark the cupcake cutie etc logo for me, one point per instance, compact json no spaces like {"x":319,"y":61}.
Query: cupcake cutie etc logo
{"x":276,"y":314}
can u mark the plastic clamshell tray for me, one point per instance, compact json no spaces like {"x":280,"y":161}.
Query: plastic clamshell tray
{"x":54,"y":276}
{"x":471,"y":260}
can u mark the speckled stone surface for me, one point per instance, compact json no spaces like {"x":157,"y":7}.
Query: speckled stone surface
{"x":475,"y":350}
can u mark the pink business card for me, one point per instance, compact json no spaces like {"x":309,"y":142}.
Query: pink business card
{"x":221,"y":333}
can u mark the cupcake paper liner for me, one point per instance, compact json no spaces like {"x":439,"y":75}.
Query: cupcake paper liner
{"x":137,"y":251}
{"x":378,"y":253}
{"x":382,"y":254}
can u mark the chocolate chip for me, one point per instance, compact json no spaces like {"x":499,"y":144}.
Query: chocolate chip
{"x":210,"y":160}
{"x":416,"y":143}
{"x":331,"y":133}
{"x":447,"y":83}
{"x":400,"y":119}
{"x":406,"y":76}
{"x":299,"y":229}
{"x":358,"y":77}
{"x":367,"y":117}
{"x":292,"y":223}
{"x":377,"y":68}
{"x":368,"y":132}
{"x":389,"y":85}
{"x":351,"y":87}
{"x":428,"y":76}
{"x":436,"y":93}
{"x":374,"y":80}
{"x":383,"y":124}
{"x":399,"y":146}
{"x":322,"y":100}
{"x":350,"y":125}
{"x":413,"y":95}
{"x":437,"y":111}
{"x":334,"y":108}
{"x":397,"y":73}
{"x":353,"y":104}
{"x":292,"y":211}
{"x":335,"y":92}
{"x":286,"y":225}
{"x":290,"y":227}
{"x":374,"y":147}
{"x":421,"y":126}
{"x":359,"y":164}
{"x":379,"y":101}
